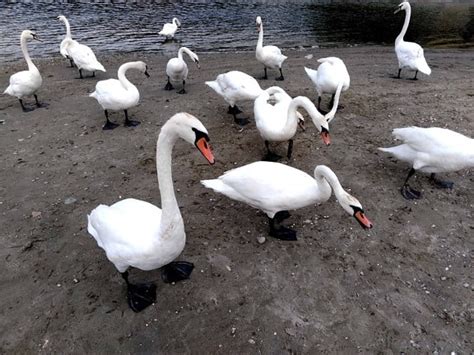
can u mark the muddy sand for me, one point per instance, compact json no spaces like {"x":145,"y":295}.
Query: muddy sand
{"x":404,"y":286}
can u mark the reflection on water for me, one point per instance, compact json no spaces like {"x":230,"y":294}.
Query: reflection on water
{"x":130,"y":26}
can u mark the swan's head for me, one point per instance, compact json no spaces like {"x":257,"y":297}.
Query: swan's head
{"x":191,"y":130}
{"x":403,"y":6}
{"x":196,"y":60}
{"x":143,"y":68}
{"x":30,"y":35}
{"x":176,"y":21}
{"x":259,"y":23}
{"x":352,"y":206}
{"x":61,"y":18}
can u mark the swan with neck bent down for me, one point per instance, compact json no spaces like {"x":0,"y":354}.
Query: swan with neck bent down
{"x":135,"y":233}
{"x":26,"y":82}
{"x":431,"y":150}
{"x":276,"y":188}
{"x":177,"y":69}
{"x":62,"y":47}
{"x":410,"y":55}
{"x":169,"y":29}
{"x":121,"y":94}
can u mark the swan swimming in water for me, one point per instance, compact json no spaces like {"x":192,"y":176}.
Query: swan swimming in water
{"x":62,"y":47}
{"x":135,"y":233}
{"x":121,"y":94}
{"x":26,"y":82}
{"x":410,"y":55}
{"x":169,"y":29}
{"x":431,"y":150}
{"x":177,"y":69}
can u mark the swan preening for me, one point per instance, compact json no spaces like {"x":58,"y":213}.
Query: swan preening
{"x":26,"y":82}
{"x":277,"y":121}
{"x":62,"y":47}
{"x":269,"y":56}
{"x":135,"y":233}
{"x":431,"y":150}
{"x":121,"y":94}
{"x":276,"y":188}
{"x":169,"y":29}
{"x":331,"y":73}
{"x":235,"y":87}
{"x":410,"y":55}
{"x":177,"y":69}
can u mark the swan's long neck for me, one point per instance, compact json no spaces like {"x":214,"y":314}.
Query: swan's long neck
{"x":260,"y":37}
{"x":187,"y":51}
{"x":121,"y":75}
{"x":327,"y":179}
{"x":169,"y":205}
{"x":24,"y":49}
{"x":405,"y":25}
{"x":330,"y":115}
{"x":304,"y":102}
{"x":68,"y":28}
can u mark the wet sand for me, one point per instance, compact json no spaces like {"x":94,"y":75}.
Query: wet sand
{"x":406,"y":285}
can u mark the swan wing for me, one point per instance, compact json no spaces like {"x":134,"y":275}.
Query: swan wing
{"x":236,"y":86}
{"x":84,"y":57}
{"x":111,"y":94}
{"x":411,"y":55}
{"x":168,"y":29}
{"x":24,"y":83}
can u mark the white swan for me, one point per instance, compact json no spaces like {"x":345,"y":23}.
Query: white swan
{"x":62,"y":47}
{"x":276,"y":188}
{"x":136,"y":233}
{"x":83,"y":57}
{"x":269,"y":56}
{"x":410,"y":55}
{"x":431,"y":150}
{"x":235,"y":87}
{"x":26,"y":82}
{"x":169,"y":29}
{"x":329,"y":75}
{"x":278,"y":122}
{"x":177,"y":69}
{"x":121,"y":94}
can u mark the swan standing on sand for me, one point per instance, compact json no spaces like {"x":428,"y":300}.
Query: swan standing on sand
{"x":269,"y":56}
{"x":62,"y":47}
{"x":26,"y":82}
{"x":236,"y":86}
{"x":329,"y":75}
{"x":431,"y":150}
{"x":121,"y":94}
{"x":136,"y":233}
{"x":169,"y":29}
{"x":276,"y":188}
{"x":177,"y":69}
{"x":410,"y":55}
{"x":278,"y":122}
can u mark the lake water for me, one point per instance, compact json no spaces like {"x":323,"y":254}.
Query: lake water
{"x":208,"y":26}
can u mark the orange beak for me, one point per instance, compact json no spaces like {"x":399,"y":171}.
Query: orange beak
{"x":205,"y":150}
{"x":363,"y":220}
{"x":326,"y":138}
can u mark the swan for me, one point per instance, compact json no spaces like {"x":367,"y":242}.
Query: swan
{"x":269,"y":56}
{"x":121,"y":94}
{"x":83,"y":57}
{"x":278,"y":122}
{"x":236,"y":86}
{"x":169,"y":29}
{"x":431,"y":150}
{"x":177,"y":69}
{"x":410,"y":55}
{"x":26,"y":82}
{"x":62,"y":47}
{"x":326,"y":79}
{"x":135,"y":233}
{"x":276,"y":188}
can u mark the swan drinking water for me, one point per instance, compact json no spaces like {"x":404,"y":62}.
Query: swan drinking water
{"x":410,"y":55}
{"x":135,"y":233}
{"x":177,"y":69}
{"x":26,"y":82}
{"x":269,"y":56}
{"x":62,"y":47}
{"x":431,"y":150}
{"x":169,"y":29}
{"x":276,"y":188}
{"x":121,"y":94}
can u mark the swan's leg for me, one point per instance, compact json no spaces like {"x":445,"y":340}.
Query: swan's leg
{"x":108,"y":125}
{"x":38,"y":104}
{"x":281,"y":216}
{"x":265,"y":77}
{"x":24,"y":108}
{"x":319,"y":103}
{"x":407,"y":191}
{"x":416,"y":73}
{"x":280,"y":78}
{"x":168,"y":85}
{"x":176,"y":271}
{"x":441,"y":183}
{"x":80,"y":74}
{"x":290,"y":149}
{"x":182,"y":91}
{"x":128,"y":122}
{"x":283,"y":233}
{"x":139,"y":296}
{"x":399,"y":72}
{"x":270,"y":156}
{"x":234,"y":110}
{"x":71,"y":62}
{"x":93,"y":74}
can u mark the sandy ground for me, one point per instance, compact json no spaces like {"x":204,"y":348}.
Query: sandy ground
{"x":406,"y":285}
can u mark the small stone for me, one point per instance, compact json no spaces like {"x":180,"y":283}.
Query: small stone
{"x":466,"y":285}
{"x":233,"y":330}
{"x":228,"y":268}
{"x":69,"y":200}
{"x":75,"y":280}
{"x":261,"y":240}
{"x":35,"y":214}
{"x":251,"y":341}
{"x":309,"y":56}
{"x":443,"y":278}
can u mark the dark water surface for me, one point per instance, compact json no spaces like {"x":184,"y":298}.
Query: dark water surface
{"x":208,"y":26}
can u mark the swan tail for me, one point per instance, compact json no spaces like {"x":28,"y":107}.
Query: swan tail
{"x":100,"y":67}
{"x":214,"y":86}
{"x":215,"y":184}
{"x":311,"y":72}
{"x":423,"y":67}
{"x":9,"y":90}
{"x":93,"y":94}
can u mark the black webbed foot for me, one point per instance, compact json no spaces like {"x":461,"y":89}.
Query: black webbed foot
{"x":131,"y":123}
{"x":281,"y":216}
{"x":283,"y":233}
{"x":280,"y":78}
{"x":442,"y":184}
{"x":234,"y":110}
{"x":168,"y":86}
{"x":176,"y":271}
{"x":270,"y":156}
{"x":141,"y":296}
{"x":409,"y":193}
{"x":241,"y":121}
{"x":109,"y":125}
{"x":182,"y":91}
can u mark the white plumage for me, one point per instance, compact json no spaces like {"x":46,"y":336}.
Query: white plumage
{"x":270,"y":56}
{"x":177,"y":69}
{"x":63,"y":45}
{"x":83,"y":57}
{"x":169,"y":29}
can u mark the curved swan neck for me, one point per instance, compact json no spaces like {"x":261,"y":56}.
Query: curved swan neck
{"x":405,"y":24}
{"x":24,"y":49}
{"x":260,"y":36}
{"x":68,"y":28}
{"x":121,"y":75}
{"x":330,"y":115}
{"x":323,"y":173}
{"x":302,"y":101}
{"x":187,"y":51}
